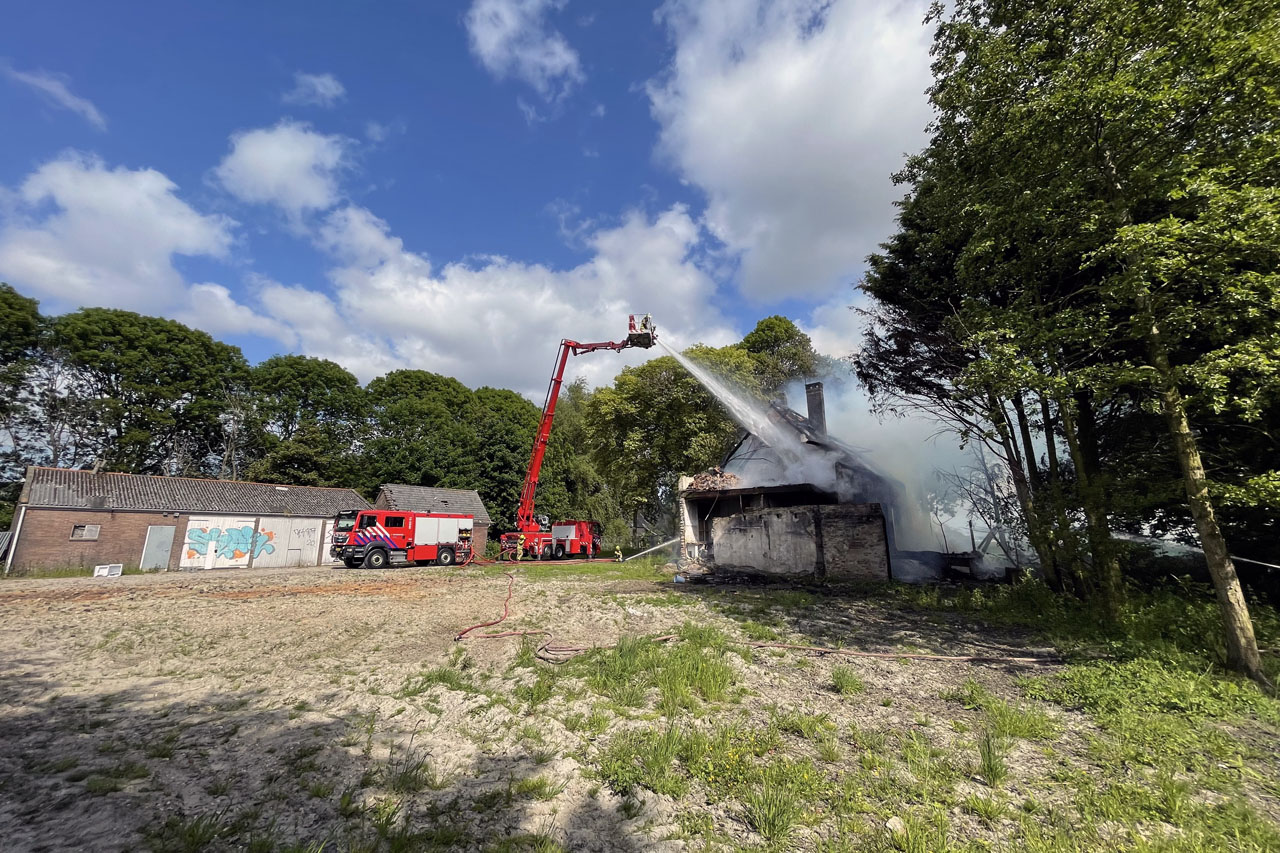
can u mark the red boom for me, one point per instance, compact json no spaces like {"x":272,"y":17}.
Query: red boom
{"x":641,"y":336}
{"x":574,"y":537}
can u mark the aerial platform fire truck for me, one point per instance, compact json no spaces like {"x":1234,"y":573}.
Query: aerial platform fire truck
{"x":377,"y":538}
{"x":535,"y":536}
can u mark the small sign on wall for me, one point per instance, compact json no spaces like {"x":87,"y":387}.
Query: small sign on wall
{"x":112,"y":571}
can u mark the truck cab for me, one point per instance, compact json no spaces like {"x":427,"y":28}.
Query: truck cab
{"x":377,"y":538}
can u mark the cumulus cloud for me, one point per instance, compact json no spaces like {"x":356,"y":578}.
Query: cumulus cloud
{"x":54,"y":89}
{"x":80,"y":233}
{"x":289,"y":165}
{"x":791,"y":115}
{"x":511,"y":38}
{"x":497,"y":321}
{"x":213,"y":308}
{"x":320,"y":90}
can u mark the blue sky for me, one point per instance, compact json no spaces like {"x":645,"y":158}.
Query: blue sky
{"x":456,"y":186}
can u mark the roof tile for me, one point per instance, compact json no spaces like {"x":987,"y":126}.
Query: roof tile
{"x":64,"y":487}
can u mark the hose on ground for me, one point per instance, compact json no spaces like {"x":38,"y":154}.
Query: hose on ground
{"x":562,"y":654}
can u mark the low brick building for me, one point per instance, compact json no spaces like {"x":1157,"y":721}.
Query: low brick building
{"x":68,"y":518}
{"x":430,"y":499}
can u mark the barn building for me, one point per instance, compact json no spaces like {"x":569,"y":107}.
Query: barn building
{"x":397,"y":496}
{"x":816,"y":509}
{"x":67,"y":518}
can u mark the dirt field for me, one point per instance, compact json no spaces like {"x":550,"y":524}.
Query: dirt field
{"x":332,"y":709}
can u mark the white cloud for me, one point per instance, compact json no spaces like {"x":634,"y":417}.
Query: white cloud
{"x":321,"y":90}
{"x":212,"y":308}
{"x":511,"y":38}
{"x":289,"y":165}
{"x":791,"y":115}
{"x":497,"y":321}
{"x":83,"y":234}
{"x":376,"y":131}
{"x":53,"y":88}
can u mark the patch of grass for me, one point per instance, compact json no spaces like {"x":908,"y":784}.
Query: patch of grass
{"x":99,"y":785}
{"x":828,"y":748}
{"x":189,"y":835}
{"x":808,"y":726}
{"x":542,"y":688}
{"x":319,"y":789}
{"x":413,"y":772}
{"x":684,"y":672}
{"x":987,"y":809}
{"x":416,"y":685}
{"x":526,"y":654}
{"x":349,"y":804}
{"x":164,"y":747}
{"x":992,"y":766}
{"x":760,"y":632}
{"x":775,"y":807}
{"x":846,"y":681}
{"x":643,"y":759}
{"x":538,"y":787}
{"x":1006,"y":719}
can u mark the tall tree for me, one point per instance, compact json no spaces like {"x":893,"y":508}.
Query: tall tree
{"x":1101,"y":183}
{"x":781,"y":351}
{"x":155,"y":388}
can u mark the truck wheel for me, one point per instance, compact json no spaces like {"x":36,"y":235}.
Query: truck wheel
{"x":559,"y":552}
{"x":546,"y":552}
{"x":376,"y":559}
{"x":445,"y":557}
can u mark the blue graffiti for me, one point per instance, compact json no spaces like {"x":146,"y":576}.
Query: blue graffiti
{"x":230,"y":544}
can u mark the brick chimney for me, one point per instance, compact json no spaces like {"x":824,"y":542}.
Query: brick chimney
{"x":817,"y":407}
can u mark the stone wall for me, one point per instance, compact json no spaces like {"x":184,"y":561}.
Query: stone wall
{"x":838,"y":542}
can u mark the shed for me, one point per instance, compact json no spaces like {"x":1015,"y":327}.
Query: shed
{"x":68,"y":517}
{"x":431,"y":499}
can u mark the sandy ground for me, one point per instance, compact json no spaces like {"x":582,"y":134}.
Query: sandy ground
{"x":254,"y":709}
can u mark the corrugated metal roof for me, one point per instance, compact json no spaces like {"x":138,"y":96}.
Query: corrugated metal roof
{"x":62,"y":487}
{"x":428,"y":499}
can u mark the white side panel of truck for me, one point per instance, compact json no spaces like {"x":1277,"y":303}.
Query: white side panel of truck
{"x":426,"y":531}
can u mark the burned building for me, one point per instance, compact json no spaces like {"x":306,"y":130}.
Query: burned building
{"x":791,"y":500}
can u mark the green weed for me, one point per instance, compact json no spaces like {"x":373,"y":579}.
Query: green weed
{"x":846,"y":681}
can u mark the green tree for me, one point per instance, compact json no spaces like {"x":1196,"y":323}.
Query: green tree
{"x":782,"y":353}
{"x":20,"y":332}
{"x":420,"y":431}
{"x":1097,"y":205}
{"x":657,"y":422}
{"x":153,"y":388}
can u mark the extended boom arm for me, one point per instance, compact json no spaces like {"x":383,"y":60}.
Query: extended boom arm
{"x":641,"y":335}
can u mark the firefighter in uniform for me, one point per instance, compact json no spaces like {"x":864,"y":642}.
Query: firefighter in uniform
{"x":520,"y":547}
{"x":617,"y":554}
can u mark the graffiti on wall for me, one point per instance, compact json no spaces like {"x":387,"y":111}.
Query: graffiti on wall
{"x":232,"y":543}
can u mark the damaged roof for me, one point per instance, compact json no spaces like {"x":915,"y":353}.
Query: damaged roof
{"x":74,"y":489}
{"x":431,"y":499}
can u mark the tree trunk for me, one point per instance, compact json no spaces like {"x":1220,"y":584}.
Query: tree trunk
{"x":1106,"y":563}
{"x":1028,"y":449}
{"x":1040,"y":540}
{"x":1242,"y":645}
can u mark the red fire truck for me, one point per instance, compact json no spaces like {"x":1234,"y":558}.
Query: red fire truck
{"x":376,"y":538}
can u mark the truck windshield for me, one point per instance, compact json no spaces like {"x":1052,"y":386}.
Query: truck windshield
{"x":344,"y":522}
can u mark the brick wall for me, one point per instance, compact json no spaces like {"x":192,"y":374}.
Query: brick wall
{"x":45,"y":539}
{"x":854,"y":544}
